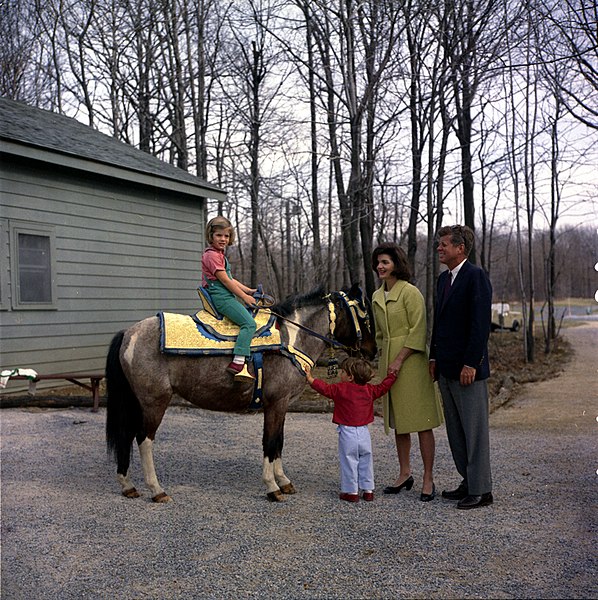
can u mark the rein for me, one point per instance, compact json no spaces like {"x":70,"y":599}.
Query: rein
{"x":311,"y":332}
{"x":355,"y":311}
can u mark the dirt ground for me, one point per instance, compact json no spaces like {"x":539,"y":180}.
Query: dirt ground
{"x":569,"y":402}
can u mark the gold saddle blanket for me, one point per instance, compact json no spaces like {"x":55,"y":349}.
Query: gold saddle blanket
{"x":202,"y":333}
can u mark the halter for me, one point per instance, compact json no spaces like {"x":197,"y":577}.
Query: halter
{"x":355,"y":310}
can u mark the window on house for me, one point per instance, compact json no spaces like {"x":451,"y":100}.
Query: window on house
{"x":35,"y":276}
{"x":33,"y":267}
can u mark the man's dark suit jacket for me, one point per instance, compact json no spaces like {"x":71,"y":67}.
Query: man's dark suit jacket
{"x":462,"y":323}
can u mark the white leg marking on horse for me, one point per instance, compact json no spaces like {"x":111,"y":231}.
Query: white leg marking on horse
{"x":130,"y":349}
{"x":147,"y":464}
{"x":124,"y":481}
{"x":268,"y":476}
{"x":279,"y":475}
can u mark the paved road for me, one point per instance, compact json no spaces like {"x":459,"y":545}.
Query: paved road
{"x":68,"y":534}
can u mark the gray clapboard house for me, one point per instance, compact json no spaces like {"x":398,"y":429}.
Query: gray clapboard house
{"x":94,"y":235}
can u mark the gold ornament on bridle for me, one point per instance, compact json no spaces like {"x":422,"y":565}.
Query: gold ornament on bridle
{"x":357,"y":312}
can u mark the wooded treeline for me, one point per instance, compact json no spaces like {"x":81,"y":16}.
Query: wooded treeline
{"x":337,"y":124}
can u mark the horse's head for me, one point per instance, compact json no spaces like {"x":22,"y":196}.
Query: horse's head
{"x":350,"y":321}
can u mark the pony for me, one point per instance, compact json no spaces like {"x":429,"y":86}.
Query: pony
{"x":141,"y":381}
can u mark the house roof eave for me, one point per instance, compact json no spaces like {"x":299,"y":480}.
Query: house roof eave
{"x":70,"y":161}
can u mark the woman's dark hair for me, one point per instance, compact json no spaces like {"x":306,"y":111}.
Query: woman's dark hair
{"x":398,"y":256}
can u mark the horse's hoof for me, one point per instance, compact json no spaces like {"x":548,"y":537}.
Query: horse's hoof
{"x":289,"y":488}
{"x":131,"y":493}
{"x":276,"y":496}
{"x":162,"y":498}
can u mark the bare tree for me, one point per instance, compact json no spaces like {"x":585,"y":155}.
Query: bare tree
{"x":313,"y":133}
{"x":17,"y":47}
{"x":474,"y":44}
{"x":138,"y":86}
{"x":356,"y":40}
{"x":256,"y":84}
{"x":575,"y":47}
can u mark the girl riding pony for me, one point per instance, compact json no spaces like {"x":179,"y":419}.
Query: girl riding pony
{"x":229,"y":296}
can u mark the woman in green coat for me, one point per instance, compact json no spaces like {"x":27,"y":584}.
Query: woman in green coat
{"x":412,"y":405}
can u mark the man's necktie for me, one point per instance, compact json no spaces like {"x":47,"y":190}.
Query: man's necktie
{"x":446,"y":289}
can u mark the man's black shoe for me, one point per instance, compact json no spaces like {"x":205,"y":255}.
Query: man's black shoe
{"x":457,"y":494}
{"x":475,"y":501}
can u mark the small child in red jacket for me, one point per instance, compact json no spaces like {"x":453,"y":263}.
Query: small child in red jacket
{"x":353,"y":401}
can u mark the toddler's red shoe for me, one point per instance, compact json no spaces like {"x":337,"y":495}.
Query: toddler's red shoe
{"x":349,"y":497}
{"x":368,"y":496}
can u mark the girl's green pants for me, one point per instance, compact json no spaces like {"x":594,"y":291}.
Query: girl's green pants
{"x":228,"y":304}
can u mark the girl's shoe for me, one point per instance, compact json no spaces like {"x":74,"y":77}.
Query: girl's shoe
{"x":240,"y":371}
{"x":368,"y":496}
{"x":235,"y":368}
{"x":407,"y":484}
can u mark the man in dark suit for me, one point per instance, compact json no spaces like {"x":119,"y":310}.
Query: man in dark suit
{"x":459,"y":361}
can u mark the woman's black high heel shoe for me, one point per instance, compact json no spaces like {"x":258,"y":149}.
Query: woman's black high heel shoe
{"x":407,"y":484}
{"x":427,"y":497}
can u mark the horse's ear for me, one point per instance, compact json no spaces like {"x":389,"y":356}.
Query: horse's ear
{"x":356,"y":292}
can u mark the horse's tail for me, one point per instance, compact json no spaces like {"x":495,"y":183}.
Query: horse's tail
{"x":123,"y":413}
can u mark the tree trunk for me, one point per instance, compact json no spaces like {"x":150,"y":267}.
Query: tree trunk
{"x":254,"y":149}
{"x":315,"y":203}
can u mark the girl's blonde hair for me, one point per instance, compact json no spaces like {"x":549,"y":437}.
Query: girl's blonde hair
{"x":216,"y":224}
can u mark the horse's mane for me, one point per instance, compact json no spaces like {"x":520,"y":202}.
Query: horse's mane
{"x":292,"y":303}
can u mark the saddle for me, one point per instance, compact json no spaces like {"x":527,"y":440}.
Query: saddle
{"x":262,"y":300}
{"x":209,"y":333}
{"x":205,"y":334}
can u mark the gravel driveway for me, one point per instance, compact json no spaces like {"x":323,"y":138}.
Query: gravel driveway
{"x":67,"y":533}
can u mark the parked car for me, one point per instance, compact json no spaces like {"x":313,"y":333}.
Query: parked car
{"x":504,"y":318}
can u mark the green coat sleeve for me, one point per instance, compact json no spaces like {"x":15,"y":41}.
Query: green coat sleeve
{"x":415,"y":310}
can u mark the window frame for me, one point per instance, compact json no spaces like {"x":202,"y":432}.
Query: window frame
{"x":48,"y":231}
{"x":4,"y":265}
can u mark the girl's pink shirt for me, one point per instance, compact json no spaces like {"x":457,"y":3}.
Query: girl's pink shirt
{"x":212,"y":260}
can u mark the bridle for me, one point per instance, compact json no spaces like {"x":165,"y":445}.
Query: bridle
{"x":355,"y":309}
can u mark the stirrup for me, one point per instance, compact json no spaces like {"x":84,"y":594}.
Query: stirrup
{"x":244,"y":374}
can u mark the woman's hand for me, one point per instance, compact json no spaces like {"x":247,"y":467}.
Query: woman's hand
{"x":395,"y":366}
{"x":308,"y":374}
{"x":401,"y":357}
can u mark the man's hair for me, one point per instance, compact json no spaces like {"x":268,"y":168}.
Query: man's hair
{"x":361,"y":370}
{"x":398,"y":256}
{"x":460,"y":234}
{"x":216,"y":224}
